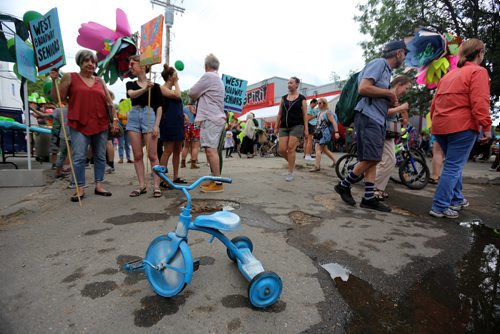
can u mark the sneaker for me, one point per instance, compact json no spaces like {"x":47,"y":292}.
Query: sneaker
{"x":109,"y":170}
{"x":374,"y":205}
{"x":345,"y":194}
{"x":459,"y":206}
{"x":289,"y":177}
{"x":207,"y":184}
{"x":309,"y":158}
{"x":120,"y":161}
{"x":130,"y":161}
{"x":448,"y":213}
{"x":213,"y":188}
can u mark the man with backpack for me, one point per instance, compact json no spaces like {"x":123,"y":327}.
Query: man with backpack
{"x":369,"y":121}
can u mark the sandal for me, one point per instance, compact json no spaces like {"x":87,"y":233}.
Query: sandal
{"x":433,"y":181}
{"x":138,"y":192}
{"x":315,"y":170}
{"x":74,"y":198}
{"x":379,"y":195}
{"x":165,"y":185}
{"x":179,"y":180}
{"x":156,"y":193}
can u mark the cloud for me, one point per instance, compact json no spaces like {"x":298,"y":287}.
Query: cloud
{"x":254,"y":40}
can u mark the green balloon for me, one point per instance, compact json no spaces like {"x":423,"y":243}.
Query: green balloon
{"x":30,"y":16}
{"x":179,"y":65}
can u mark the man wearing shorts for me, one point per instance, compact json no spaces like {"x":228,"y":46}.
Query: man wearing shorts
{"x":209,"y":93}
{"x":374,"y":81}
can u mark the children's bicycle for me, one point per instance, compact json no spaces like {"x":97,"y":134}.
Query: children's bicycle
{"x":168,"y":263}
{"x":413,"y":171}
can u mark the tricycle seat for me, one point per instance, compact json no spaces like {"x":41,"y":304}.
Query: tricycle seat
{"x":221,"y":220}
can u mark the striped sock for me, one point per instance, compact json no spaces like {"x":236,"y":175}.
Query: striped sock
{"x":349,"y":180}
{"x":369,"y":190}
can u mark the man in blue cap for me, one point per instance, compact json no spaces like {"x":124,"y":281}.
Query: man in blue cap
{"x":376,"y":99}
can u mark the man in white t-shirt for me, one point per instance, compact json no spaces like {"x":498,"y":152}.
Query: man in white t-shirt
{"x":209,"y":93}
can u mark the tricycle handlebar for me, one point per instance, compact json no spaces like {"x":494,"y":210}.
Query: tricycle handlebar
{"x":161,"y":170}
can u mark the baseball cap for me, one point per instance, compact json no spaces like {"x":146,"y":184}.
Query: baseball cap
{"x":394,"y":45}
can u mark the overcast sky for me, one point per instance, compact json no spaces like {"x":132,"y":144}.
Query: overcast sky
{"x":254,"y":40}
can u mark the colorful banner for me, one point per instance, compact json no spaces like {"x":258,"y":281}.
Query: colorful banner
{"x":151,"y":41}
{"x":47,"y":42}
{"x":235,"y":93}
{"x":25,"y":60}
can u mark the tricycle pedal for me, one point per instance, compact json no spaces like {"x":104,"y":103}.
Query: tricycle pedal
{"x":133,"y":266}
{"x":196,"y":264}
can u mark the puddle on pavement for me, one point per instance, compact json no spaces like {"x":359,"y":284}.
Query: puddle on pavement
{"x":98,"y":289}
{"x":336,"y":270}
{"x":464,"y":297}
{"x":154,"y":308}
{"x":137,"y":217}
{"x":211,"y":205}
{"x":237,"y":301}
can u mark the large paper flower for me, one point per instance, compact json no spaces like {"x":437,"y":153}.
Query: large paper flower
{"x":114,"y":47}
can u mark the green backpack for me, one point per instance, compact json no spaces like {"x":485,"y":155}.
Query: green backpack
{"x":348,"y":100}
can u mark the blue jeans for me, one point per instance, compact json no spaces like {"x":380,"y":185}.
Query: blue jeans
{"x":456,"y":148}
{"x":79,"y":148}
{"x":123,"y":144}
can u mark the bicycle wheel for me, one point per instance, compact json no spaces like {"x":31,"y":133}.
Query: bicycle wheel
{"x":418,"y":154}
{"x":345,"y":164}
{"x":414,"y":175}
{"x":171,"y":280}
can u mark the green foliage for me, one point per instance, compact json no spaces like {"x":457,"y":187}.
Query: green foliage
{"x":184,"y":97}
{"x":385,"y":20}
{"x":37,"y":86}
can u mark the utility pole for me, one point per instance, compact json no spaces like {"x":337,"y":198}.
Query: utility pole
{"x":170,"y":10}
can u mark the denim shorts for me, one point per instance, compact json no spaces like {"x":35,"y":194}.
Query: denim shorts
{"x":370,"y":136}
{"x":138,"y":119}
{"x":294,"y":131}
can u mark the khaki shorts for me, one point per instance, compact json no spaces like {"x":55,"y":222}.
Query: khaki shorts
{"x":210,"y":134}
{"x":294,"y":131}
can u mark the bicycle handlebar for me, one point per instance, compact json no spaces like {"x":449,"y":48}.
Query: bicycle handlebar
{"x":161,"y":170}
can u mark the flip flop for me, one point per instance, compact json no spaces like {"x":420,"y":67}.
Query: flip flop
{"x":181,"y":181}
{"x":138,"y":192}
{"x":315,"y":170}
{"x":156,"y":193}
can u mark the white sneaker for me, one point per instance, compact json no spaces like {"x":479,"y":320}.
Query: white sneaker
{"x":459,"y":206}
{"x":448,"y":213}
{"x":289,"y":177}
{"x":309,"y":158}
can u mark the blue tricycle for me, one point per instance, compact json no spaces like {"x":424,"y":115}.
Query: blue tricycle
{"x":169,"y":265}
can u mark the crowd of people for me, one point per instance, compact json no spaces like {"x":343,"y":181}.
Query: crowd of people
{"x":159,"y":121}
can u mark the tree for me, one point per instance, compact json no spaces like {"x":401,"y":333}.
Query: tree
{"x":385,"y":20}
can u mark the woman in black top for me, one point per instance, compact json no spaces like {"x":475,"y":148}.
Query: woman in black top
{"x":292,"y":123}
{"x":172,"y":123}
{"x":143,"y":125}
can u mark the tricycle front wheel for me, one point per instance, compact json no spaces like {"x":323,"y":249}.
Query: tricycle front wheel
{"x":170,"y":280}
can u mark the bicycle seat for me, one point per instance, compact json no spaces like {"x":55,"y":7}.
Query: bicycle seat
{"x":221,"y":220}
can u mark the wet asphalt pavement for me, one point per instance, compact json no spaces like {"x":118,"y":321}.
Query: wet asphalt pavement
{"x":344,"y":269}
